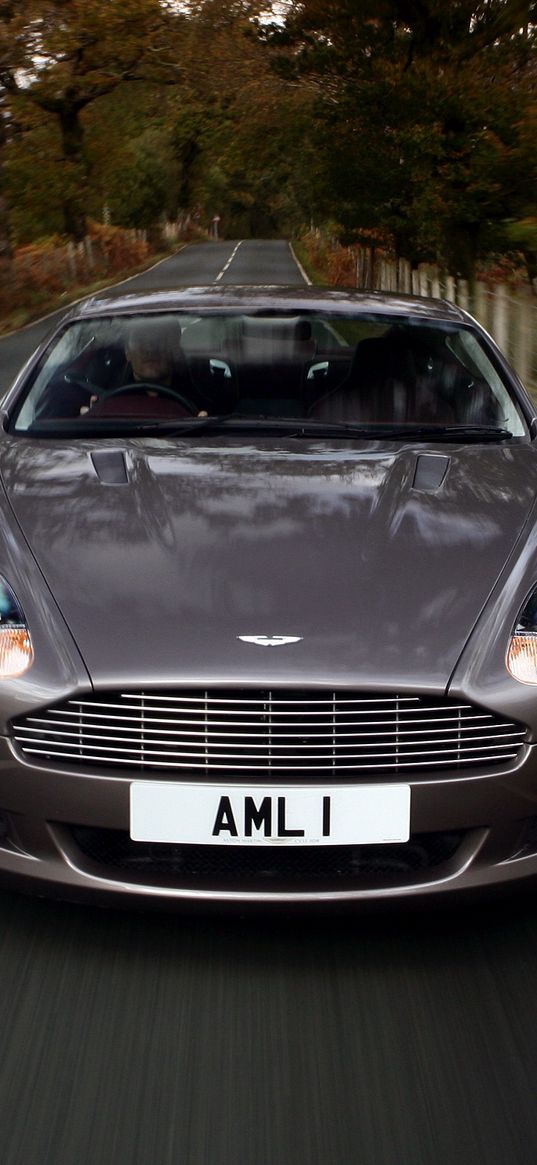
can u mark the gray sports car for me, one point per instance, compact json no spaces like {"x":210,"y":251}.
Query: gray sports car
{"x":268,"y":603}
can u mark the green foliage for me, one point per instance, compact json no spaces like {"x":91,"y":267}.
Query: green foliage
{"x":137,"y":193}
{"x":34,"y":181}
{"x":61,"y":56}
{"x":420,"y":112}
{"x":523,"y":234}
{"x":415,"y":119}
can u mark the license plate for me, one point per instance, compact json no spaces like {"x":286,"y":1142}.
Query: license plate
{"x":196,"y":814}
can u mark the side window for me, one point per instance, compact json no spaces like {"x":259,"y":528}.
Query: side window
{"x":65,"y":350}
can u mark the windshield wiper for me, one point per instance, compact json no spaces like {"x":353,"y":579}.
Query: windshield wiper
{"x":289,"y":426}
{"x":86,"y":426}
{"x":458,"y":432}
{"x":296,"y":428}
{"x":410,"y":432}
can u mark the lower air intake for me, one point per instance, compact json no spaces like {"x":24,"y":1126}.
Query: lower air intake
{"x":253,"y":867}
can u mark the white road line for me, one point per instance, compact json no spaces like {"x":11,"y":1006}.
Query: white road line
{"x":229,"y":262}
{"x":305,"y":277}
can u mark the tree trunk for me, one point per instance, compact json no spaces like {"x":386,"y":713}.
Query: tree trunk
{"x":6,"y":252}
{"x":76,"y":171}
{"x":74,"y":220}
{"x":462,"y":241}
{"x":530,"y":259}
{"x":5,"y":240}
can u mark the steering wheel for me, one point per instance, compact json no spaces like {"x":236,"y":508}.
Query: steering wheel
{"x":141,"y":386}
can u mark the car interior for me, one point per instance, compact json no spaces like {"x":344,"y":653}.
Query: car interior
{"x":262,"y":366}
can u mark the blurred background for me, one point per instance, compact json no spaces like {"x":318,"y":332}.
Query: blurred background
{"x":392,"y":140}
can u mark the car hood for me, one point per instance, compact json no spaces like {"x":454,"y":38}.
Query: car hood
{"x":377,"y":559}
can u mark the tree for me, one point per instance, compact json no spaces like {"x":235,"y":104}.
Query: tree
{"x":419,"y":112}
{"x":5,"y":238}
{"x":63,"y":55}
{"x":240,"y":132}
{"x":102,"y":126}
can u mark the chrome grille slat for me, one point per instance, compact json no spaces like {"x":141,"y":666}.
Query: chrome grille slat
{"x":321,"y":732}
{"x":275,"y":699}
{"x":250,"y":742}
{"x":179,"y":722}
{"x":343,"y":708}
{"x":302,"y":769}
{"x":149,"y":753}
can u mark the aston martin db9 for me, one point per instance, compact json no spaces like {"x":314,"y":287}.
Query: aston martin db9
{"x":268,"y":603}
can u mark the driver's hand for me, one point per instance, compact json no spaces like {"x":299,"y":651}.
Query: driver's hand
{"x":86,"y":408}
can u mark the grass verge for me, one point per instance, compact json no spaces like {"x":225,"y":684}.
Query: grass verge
{"x":316,"y":272}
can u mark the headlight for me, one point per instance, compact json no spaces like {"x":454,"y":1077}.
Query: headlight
{"x":16,"y":652}
{"x":522,"y":652}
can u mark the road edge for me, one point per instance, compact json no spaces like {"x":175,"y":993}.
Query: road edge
{"x":303,"y":273}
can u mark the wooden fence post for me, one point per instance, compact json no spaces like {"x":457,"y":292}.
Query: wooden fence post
{"x":480,"y":303}
{"x":375,"y":270}
{"x":71,"y":260}
{"x":81,"y":258}
{"x":462,"y":294}
{"x":89,"y":253}
{"x":388,"y":276}
{"x":404,"y":280}
{"x":500,"y":316}
{"x":523,"y":333}
{"x":368,"y":273}
{"x":364,"y":268}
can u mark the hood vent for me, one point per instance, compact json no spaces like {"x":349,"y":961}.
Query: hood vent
{"x":431,"y":469}
{"x":110,"y":467}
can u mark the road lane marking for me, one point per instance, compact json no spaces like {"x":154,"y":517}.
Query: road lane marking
{"x":229,"y":262}
{"x":305,"y":277}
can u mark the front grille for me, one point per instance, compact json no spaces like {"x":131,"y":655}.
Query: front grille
{"x":282,"y":733}
{"x":251,"y":867}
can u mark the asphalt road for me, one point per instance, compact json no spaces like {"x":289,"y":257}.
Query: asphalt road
{"x":226,"y":262}
{"x":132,"y":1039}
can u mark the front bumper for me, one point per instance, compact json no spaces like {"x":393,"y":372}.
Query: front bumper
{"x":489,"y":818}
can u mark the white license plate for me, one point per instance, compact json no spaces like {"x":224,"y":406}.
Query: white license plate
{"x":272,"y":815}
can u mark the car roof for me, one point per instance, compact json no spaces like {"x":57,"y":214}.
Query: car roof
{"x":232,"y":297}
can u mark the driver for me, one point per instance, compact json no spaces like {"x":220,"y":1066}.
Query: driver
{"x":153,"y":352}
{"x":154,"y":358}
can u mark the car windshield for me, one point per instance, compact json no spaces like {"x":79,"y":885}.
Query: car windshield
{"x":322,"y":371}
